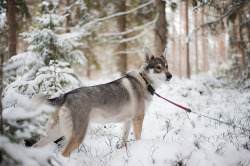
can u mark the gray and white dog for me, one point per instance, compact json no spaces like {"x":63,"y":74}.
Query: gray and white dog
{"x":123,"y":100}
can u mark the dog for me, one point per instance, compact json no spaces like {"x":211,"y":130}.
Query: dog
{"x":122,"y":100}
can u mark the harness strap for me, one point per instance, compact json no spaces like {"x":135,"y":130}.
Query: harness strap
{"x":149,"y":86}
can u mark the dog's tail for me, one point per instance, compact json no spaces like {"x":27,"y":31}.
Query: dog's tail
{"x":55,"y":102}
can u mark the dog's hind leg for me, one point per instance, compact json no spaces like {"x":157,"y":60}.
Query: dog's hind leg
{"x":137,"y":126}
{"x":74,"y":131}
{"x":75,"y":140}
{"x":126,"y":129}
{"x":53,"y":132}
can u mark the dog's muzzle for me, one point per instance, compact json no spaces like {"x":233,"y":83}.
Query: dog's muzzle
{"x":169,"y":76}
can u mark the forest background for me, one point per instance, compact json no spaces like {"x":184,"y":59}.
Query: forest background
{"x":50,"y":46}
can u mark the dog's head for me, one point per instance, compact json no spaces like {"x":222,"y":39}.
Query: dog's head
{"x":156,"y":67}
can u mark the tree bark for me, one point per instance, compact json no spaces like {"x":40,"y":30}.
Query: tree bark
{"x":65,"y":23}
{"x":222,"y":46}
{"x":187,"y":44}
{"x":203,"y":41}
{"x":242,"y":47}
{"x":1,"y":90}
{"x":180,"y":43}
{"x":12,"y":27}
{"x":173,"y":40}
{"x":160,"y":28}
{"x":122,"y":58}
{"x":196,"y":44}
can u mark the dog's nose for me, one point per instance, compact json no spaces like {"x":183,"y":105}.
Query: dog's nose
{"x":169,"y":76}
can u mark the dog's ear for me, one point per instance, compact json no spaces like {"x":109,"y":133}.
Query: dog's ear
{"x":147,"y":55}
{"x":164,"y":53}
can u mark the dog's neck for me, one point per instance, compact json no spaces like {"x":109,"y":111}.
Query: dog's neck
{"x":154,"y":83}
{"x":144,"y":75}
{"x":148,"y":84}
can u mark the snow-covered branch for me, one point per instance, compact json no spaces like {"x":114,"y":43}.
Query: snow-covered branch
{"x":236,"y":6}
{"x":241,"y":24}
{"x":138,"y":28}
{"x":87,"y":25}
{"x":126,"y":39}
{"x":131,"y":51}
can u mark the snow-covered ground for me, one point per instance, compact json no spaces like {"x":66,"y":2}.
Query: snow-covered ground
{"x":171,"y":136}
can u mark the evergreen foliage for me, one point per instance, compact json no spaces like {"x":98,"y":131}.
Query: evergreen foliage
{"x":43,"y":69}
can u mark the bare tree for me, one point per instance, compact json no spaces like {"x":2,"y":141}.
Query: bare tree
{"x":160,"y":28}
{"x":64,"y":11}
{"x":180,"y":39}
{"x":12,"y":27}
{"x":196,"y":43}
{"x":122,"y":57}
{"x":1,"y":89}
{"x":203,"y":41}
{"x":173,"y":41}
{"x":187,"y":44}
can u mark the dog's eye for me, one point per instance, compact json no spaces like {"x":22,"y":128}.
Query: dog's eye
{"x":158,"y":67}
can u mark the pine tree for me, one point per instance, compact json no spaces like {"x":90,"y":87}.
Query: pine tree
{"x":46,"y":48}
{"x":160,"y":28}
{"x":44,"y":68}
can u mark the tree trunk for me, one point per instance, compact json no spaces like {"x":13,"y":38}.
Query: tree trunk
{"x":160,"y":28}
{"x":64,"y":4}
{"x":1,"y":106}
{"x":196,"y":44}
{"x":173,"y":40}
{"x":122,"y":58}
{"x":1,"y":90}
{"x":203,"y":41}
{"x":180,"y":43}
{"x":187,"y":44}
{"x":222,"y":46}
{"x":242,"y":47}
{"x":12,"y":27}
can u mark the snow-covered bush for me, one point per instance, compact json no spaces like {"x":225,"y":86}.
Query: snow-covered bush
{"x":44,"y":68}
{"x":21,"y":122}
{"x":50,"y":80}
{"x":49,"y":55}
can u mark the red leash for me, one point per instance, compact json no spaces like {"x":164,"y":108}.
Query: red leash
{"x":186,"y":109}
{"x":152,"y":91}
{"x":189,"y":110}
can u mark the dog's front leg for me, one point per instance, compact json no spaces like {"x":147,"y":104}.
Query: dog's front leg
{"x":137,"y":126}
{"x":126,"y":129}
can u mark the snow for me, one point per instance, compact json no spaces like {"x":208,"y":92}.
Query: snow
{"x":25,"y":156}
{"x":172,"y":136}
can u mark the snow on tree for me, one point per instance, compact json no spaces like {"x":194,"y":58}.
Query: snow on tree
{"x":47,"y":47}
{"x":44,"y":68}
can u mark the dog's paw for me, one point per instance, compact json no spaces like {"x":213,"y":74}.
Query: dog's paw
{"x":122,"y":144}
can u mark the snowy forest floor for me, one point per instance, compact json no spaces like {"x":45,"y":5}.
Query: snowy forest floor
{"x":170,"y":136}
